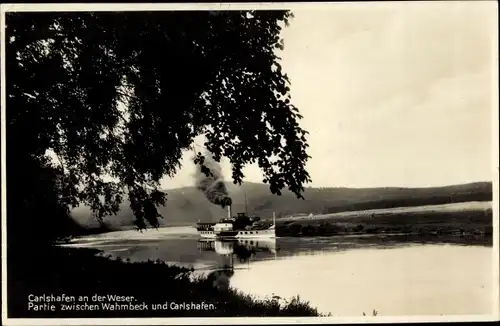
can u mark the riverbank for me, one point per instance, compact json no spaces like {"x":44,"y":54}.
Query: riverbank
{"x":79,"y":273}
{"x":476,"y":220}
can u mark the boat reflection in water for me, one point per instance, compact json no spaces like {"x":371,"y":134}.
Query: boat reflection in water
{"x":243,"y":250}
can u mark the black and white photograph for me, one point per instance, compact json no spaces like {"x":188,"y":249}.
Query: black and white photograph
{"x":220,"y":163}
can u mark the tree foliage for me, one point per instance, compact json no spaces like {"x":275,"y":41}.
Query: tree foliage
{"x":118,"y":98}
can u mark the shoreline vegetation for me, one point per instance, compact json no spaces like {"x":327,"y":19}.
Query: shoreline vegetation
{"x":474,"y":221}
{"x":81,"y":272}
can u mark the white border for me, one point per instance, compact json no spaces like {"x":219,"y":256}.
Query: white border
{"x":245,"y":320}
{"x":2,"y":166}
{"x":495,"y":163}
{"x":241,"y":320}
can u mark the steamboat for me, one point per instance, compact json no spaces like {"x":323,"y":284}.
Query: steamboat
{"x":240,"y":226}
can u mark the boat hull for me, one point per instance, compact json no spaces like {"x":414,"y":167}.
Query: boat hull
{"x":207,"y":234}
{"x":242,"y":234}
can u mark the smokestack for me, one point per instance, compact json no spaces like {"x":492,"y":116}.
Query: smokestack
{"x":229,"y":213}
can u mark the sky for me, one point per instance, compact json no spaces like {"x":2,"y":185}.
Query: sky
{"x":392,"y":94}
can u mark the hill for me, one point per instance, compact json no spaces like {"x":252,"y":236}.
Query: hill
{"x":187,"y":205}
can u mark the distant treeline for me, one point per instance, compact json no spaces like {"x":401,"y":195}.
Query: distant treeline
{"x":411,"y":201}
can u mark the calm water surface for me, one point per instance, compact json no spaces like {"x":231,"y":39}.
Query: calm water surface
{"x":342,"y":275}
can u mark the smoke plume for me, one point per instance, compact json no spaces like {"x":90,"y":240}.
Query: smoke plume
{"x":212,"y":185}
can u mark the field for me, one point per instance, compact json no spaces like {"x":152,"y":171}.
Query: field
{"x":457,"y":219}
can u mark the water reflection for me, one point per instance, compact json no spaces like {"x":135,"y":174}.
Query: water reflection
{"x":231,"y":251}
{"x":204,"y":255}
{"x":345,"y":275}
{"x":242,"y":250}
{"x":318,"y":245}
{"x":394,"y":279}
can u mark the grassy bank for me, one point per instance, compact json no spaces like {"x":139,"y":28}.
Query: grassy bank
{"x":467,"y":222}
{"x":78,"y":272}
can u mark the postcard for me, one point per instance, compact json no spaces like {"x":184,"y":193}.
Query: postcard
{"x":249,"y":163}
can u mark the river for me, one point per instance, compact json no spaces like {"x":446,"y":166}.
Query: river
{"x":346,"y":276}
